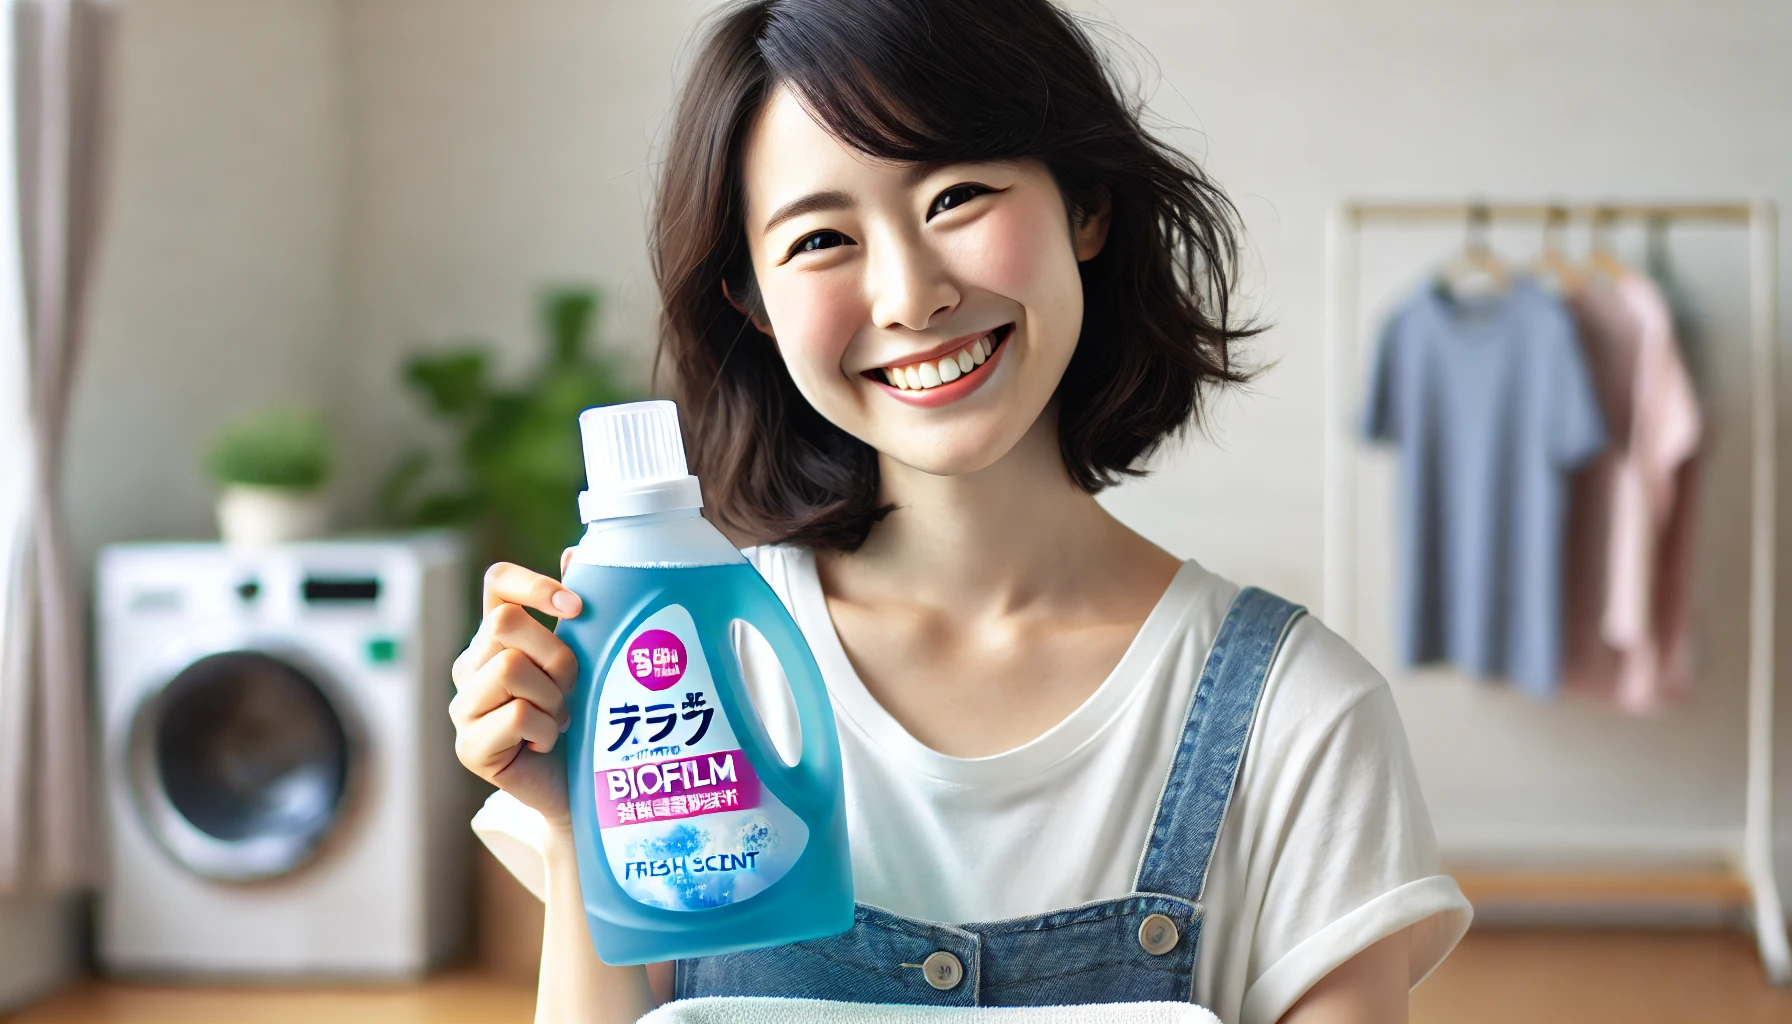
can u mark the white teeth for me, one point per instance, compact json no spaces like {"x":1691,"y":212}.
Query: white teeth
{"x":932,"y":374}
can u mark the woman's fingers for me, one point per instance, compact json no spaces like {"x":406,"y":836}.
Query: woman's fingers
{"x":506,"y":583}
{"x":513,"y":677}
{"x":510,"y":675}
{"x":488,"y":745}
{"x":509,"y":627}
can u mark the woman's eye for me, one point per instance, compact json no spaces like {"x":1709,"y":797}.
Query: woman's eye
{"x":954,"y":197}
{"x":817,"y":241}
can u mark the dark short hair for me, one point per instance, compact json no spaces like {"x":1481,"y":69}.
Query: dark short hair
{"x":931,"y":81}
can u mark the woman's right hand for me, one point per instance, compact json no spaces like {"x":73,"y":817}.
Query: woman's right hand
{"x":511,"y":683}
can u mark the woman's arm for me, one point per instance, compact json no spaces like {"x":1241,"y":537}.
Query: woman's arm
{"x":575,"y":985}
{"x":1368,"y":988}
{"x":509,"y":707}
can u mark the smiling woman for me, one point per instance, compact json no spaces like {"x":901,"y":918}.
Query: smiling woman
{"x":927,"y":287}
{"x":939,"y":146}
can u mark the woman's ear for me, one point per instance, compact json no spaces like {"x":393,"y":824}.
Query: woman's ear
{"x":764,"y":326}
{"x":1091,"y":226}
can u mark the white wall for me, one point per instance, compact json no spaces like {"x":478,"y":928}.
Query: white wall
{"x":497,"y":148}
{"x":217,"y":287}
{"x":307,"y":191}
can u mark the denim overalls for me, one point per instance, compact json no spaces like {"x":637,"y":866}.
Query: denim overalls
{"x":1138,"y":948}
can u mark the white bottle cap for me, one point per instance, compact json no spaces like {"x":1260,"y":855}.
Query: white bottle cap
{"x":634,"y":462}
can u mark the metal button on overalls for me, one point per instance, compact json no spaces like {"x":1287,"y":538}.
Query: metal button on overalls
{"x":1158,"y":934}
{"x":942,"y":970}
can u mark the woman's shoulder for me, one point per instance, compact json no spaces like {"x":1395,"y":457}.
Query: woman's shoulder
{"x":1325,"y":713}
{"x":1321,"y":673}
{"x":776,"y":559}
{"x":1317,"y":677}
{"x":789,"y":568}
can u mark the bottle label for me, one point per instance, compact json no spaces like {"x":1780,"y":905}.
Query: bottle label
{"x":685,"y":822}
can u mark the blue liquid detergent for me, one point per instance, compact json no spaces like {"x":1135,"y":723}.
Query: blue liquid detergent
{"x":694,"y":837}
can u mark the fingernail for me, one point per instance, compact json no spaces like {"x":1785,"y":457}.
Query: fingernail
{"x":566,"y":603}
{"x":566,"y":723}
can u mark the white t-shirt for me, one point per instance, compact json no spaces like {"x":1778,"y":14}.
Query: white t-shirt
{"x":1326,"y":847}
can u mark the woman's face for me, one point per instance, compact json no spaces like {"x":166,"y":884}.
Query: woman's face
{"x":928,"y":310}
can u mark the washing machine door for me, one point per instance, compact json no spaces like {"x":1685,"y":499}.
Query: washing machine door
{"x":241,"y":764}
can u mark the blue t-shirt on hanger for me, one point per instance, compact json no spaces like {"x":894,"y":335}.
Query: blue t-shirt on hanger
{"x":1491,"y":404}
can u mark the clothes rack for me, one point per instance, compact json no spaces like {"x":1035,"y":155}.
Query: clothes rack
{"x":1752,"y":861}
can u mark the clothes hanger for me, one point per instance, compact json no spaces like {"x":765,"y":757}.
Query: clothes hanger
{"x":1553,"y":265}
{"x":1477,"y":271}
{"x":1601,"y":259}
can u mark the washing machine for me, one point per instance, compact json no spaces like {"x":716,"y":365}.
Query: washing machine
{"x":282,"y":796}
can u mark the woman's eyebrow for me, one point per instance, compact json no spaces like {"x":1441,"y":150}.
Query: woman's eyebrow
{"x":919,"y":171}
{"x":814,"y":202}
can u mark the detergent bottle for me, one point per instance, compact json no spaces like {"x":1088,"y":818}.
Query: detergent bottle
{"x":694,"y":835}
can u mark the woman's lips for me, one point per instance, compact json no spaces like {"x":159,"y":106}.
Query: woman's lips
{"x":945,"y":367}
{"x":944,"y":385}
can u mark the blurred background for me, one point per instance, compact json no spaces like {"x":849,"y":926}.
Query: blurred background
{"x":369,"y":254}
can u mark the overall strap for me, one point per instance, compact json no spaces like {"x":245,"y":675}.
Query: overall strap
{"x":1199,"y":785}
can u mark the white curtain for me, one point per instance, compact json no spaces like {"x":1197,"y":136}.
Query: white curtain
{"x":51,"y":128}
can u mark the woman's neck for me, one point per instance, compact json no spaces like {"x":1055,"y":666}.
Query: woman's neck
{"x":1004,"y":538}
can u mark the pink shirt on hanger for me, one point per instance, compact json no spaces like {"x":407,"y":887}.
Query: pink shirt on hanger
{"x":1627,"y":537}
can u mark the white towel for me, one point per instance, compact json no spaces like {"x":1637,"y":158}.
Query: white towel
{"x":742,"y":1010}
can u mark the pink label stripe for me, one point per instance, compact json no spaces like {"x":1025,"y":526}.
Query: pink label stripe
{"x":679,"y":787}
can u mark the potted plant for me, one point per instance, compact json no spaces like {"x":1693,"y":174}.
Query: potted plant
{"x":271,"y":470}
{"x":516,"y":467}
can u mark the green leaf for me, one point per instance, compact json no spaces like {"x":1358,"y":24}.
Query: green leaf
{"x":454,"y":382}
{"x":569,"y":313}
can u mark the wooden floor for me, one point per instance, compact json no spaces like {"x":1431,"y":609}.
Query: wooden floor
{"x":448,"y":999}
{"x":1661,"y":977}
{"x":1529,"y":977}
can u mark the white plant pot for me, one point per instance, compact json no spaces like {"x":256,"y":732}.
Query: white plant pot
{"x":254,"y":516}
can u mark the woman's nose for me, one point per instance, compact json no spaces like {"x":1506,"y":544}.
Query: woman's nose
{"x":910,"y":287}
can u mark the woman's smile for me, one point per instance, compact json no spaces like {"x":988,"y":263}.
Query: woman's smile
{"x":934,"y":381}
